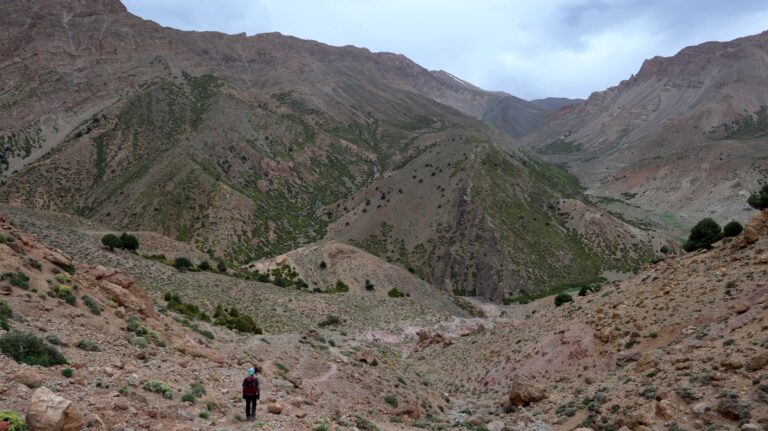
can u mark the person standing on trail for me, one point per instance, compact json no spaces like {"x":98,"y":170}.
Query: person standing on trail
{"x":251,"y":394}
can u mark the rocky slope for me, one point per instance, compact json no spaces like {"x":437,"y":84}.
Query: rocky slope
{"x":249,"y":147}
{"x":683,"y":345}
{"x":686,"y":134}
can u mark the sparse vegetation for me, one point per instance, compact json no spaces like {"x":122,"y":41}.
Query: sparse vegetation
{"x":329,"y":321}
{"x":67,"y":372}
{"x":159,"y":387}
{"x":88,"y":346}
{"x":395,"y":293}
{"x":232,"y":319}
{"x":175,"y":303}
{"x":16,"y":279}
{"x":5,"y":314}
{"x":703,"y":235}
{"x":29,"y":349}
{"x":92,"y":305}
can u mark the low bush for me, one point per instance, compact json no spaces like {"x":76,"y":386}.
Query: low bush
{"x":92,"y":305}
{"x":198,"y":389}
{"x":204,"y":266}
{"x":182,"y":263}
{"x":54,"y":339}
{"x":759,"y":200}
{"x":395,"y":293}
{"x":140,"y":342}
{"x":159,"y":387}
{"x":5,"y":314}
{"x":562,"y":298}
{"x":189,"y":397}
{"x":221,"y":266}
{"x":391,"y":400}
{"x":234,"y":320}
{"x":368,"y":285}
{"x":16,"y":279}
{"x":176,"y":304}
{"x":135,"y":326}
{"x":732,"y":229}
{"x":329,"y":321}
{"x":29,"y":349}
{"x":13,"y":419}
{"x":67,"y":372}
{"x":88,"y":346}
{"x":340,"y":287}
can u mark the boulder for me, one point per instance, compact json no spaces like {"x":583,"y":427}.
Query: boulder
{"x":275,"y":408}
{"x":756,"y":228}
{"x":366,"y":356}
{"x":524,"y":392}
{"x":758,"y":362}
{"x":50,"y":412}
{"x":648,"y":360}
{"x":29,"y":378}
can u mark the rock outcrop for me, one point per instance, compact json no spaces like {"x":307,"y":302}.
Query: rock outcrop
{"x":50,"y":412}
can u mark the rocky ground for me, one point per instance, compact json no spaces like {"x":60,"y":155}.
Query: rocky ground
{"x":682,"y":345}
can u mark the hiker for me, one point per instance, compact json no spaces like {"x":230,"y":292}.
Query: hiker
{"x":251,"y":394}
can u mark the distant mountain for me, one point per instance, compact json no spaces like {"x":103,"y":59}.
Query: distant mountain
{"x":555,"y":103}
{"x":688,"y":134}
{"x":250,"y":147}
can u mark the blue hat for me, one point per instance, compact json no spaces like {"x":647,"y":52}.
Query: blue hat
{"x":251,"y":371}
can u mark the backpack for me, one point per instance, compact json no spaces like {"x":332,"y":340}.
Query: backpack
{"x":251,"y":386}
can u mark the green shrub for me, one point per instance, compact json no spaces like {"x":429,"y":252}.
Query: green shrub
{"x":221,"y":266}
{"x":63,"y":278}
{"x":703,"y":235}
{"x":5,"y":314}
{"x":67,"y":372}
{"x":330,"y":320}
{"x":129,"y":242}
{"x":204,"y":266}
{"x":324,"y":426}
{"x":732,"y":229}
{"x":562,"y":298}
{"x":368,"y":285}
{"x":53,"y":339}
{"x":189,"y":397}
{"x":176,"y":304}
{"x":135,"y":326}
{"x":140,"y":342}
{"x":159,"y":387}
{"x":2,"y":239}
{"x":197,"y":389}
{"x":323,"y":265}
{"x":15,"y":422}
{"x":17,"y":279}
{"x":759,"y":201}
{"x":88,"y":346}
{"x":395,"y":293}
{"x":92,"y":305}
{"x":182,"y":263}
{"x":391,"y":400}
{"x":340,"y":287}
{"x":203,"y":414}
{"x":112,"y":241}
{"x":234,"y":320}
{"x":29,"y":349}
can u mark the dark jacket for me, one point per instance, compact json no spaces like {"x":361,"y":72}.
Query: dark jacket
{"x":251,"y":387}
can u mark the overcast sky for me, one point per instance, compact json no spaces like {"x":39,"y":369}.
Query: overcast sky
{"x":529,"y":48}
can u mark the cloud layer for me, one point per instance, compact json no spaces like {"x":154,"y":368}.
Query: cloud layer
{"x":529,"y":48}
